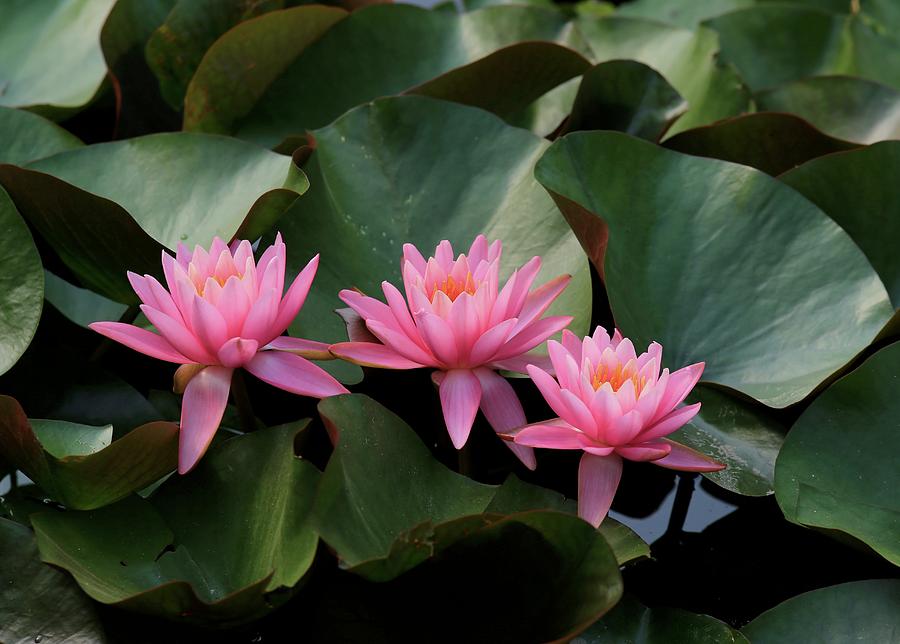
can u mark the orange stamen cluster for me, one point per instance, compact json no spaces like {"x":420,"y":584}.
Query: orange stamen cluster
{"x":618,"y":377}
{"x":453,"y":289}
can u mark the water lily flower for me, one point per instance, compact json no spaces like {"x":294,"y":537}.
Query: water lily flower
{"x":222,"y":310}
{"x":613,"y":404}
{"x":455,"y":319}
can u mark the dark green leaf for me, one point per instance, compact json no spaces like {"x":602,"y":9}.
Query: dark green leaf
{"x":77,"y":465}
{"x":836,"y":469}
{"x":37,"y":602}
{"x":627,"y":96}
{"x":249,"y":497}
{"x":758,"y":305}
{"x":25,"y":136}
{"x":21,"y":285}
{"x":773,"y":143}
{"x":859,"y":611}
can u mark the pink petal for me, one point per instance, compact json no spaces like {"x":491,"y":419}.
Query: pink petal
{"x":644,"y":451}
{"x":478,"y":250}
{"x":400,"y":343}
{"x":444,"y":255}
{"x":540,"y":299}
{"x":233,"y":304}
{"x":178,"y":336}
{"x":549,"y":389}
{"x":294,"y":374}
{"x":670,"y":422}
{"x":368,"y":307}
{"x":400,"y":310}
{"x":578,"y":413}
{"x":296,"y":296}
{"x":242,"y":251}
{"x":202,"y":409}
{"x":140,"y":286}
{"x":571,"y":343}
{"x":520,"y":363}
{"x":598,"y":479}
{"x":412,"y":255}
{"x":464,"y":322}
{"x":524,"y":279}
{"x":237,"y":352}
{"x":439,"y":337}
{"x":487,"y":345}
{"x":686,"y":459}
{"x":370,"y":354}
{"x":182,"y":255}
{"x":209,"y":325}
{"x":552,"y":434}
{"x":259,"y":322}
{"x":309,"y":349}
{"x":164,"y":301}
{"x":140,"y":340}
{"x":502,"y":408}
{"x":565,"y":365}
{"x":533,"y":335}
{"x":680,"y":384}
{"x":460,"y":397}
{"x":606,"y":411}
{"x":357,"y":331}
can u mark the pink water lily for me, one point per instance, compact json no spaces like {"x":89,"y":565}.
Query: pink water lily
{"x":613,"y":404}
{"x":454,"y":318}
{"x":223,"y":310}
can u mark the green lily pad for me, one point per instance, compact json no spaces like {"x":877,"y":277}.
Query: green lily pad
{"x":386,"y":49}
{"x":803,"y":42}
{"x":832,"y":471}
{"x":757,"y":304}
{"x":685,"y":58}
{"x":859,"y":191}
{"x":250,"y":496}
{"x":855,"y":109}
{"x":50,"y":54}
{"x":773,"y":143}
{"x":25,"y":136}
{"x":683,"y":14}
{"x":745,"y":437}
{"x":38,"y":602}
{"x":632,"y":622}
{"x":861,"y":611}
{"x":21,"y":285}
{"x":203,"y":185}
{"x":79,"y":304}
{"x":376,"y":183}
{"x":627,"y":96}
{"x":77,"y":465}
{"x":384,"y":501}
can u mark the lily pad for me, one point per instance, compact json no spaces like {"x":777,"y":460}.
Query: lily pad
{"x":758,"y":305}
{"x":386,"y":49}
{"x":21,"y":285}
{"x":632,"y":622}
{"x":744,"y":436}
{"x":683,"y":14}
{"x":832,"y":471}
{"x":38,"y":602}
{"x":79,"y":304}
{"x":77,"y":465}
{"x":384,"y":501}
{"x":859,"y":191}
{"x":685,"y":58}
{"x":376,"y":184}
{"x":50,"y":54}
{"x":855,"y":109}
{"x":771,"y":142}
{"x":862,"y":611}
{"x":25,"y":136}
{"x":627,"y":96}
{"x":250,"y":495}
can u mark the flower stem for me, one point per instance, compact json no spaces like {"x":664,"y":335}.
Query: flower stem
{"x":242,"y":401}
{"x":681,"y":504}
{"x":129,"y":316}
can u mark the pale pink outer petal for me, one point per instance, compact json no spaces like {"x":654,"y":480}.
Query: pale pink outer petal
{"x":686,"y":459}
{"x":310,"y":349}
{"x":524,"y":278}
{"x":598,"y":479}
{"x":140,"y":340}
{"x":294,"y":374}
{"x":208,"y":325}
{"x":578,"y":413}
{"x":670,"y":422}
{"x":478,"y":250}
{"x":680,"y":384}
{"x":503,"y":411}
{"x":644,"y":451}
{"x":370,"y":354}
{"x":233,"y":304}
{"x":520,"y":363}
{"x":460,"y":394}
{"x":463,"y":320}
{"x":552,"y":434}
{"x":540,"y":299}
{"x":487,"y":345}
{"x":237,"y":352}
{"x":259,"y":322}
{"x":400,"y":343}
{"x":412,"y":255}
{"x":533,"y":335}
{"x":295,"y":297}
{"x":178,"y":336}
{"x":439,"y":337}
{"x":202,"y":409}
{"x":400,"y":311}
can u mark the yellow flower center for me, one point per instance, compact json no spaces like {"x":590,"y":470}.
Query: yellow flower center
{"x":453,"y":288}
{"x":617,"y":377}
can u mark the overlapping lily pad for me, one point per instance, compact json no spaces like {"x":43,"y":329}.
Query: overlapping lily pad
{"x":79,"y":465}
{"x":50,"y":56}
{"x":386,"y":505}
{"x":862,"y":611}
{"x":386,"y":49}
{"x":758,"y":305}
{"x":21,"y":285}
{"x":25,"y":136}
{"x":857,"y":189}
{"x":250,"y":496}
{"x":832,"y":471}
{"x":686,"y":59}
{"x":376,"y":184}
